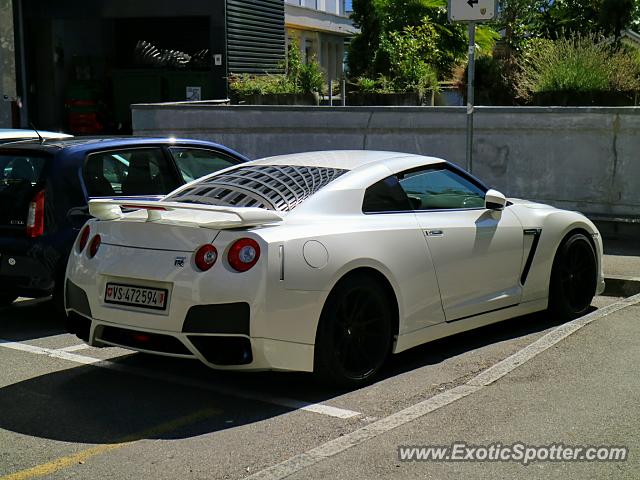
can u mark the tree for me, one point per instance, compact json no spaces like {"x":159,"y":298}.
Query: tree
{"x":562,"y":18}
{"x":366,"y":16}
{"x":617,"y":15}
{"x":383,"y":21}
{"x":520,"y":20}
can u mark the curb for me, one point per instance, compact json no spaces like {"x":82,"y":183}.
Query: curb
{"x":621,"y":286}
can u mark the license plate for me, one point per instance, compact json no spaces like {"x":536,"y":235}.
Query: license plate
{"x":131,"y":295}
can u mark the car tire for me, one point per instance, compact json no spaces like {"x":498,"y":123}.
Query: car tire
{"x":355,"y":332}
{"x":7,"y":299}
{"x":573,"y":277}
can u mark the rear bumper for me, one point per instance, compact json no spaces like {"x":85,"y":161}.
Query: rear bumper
{"x":27,"y":276}
{"x":222,"y":352}
{"x":225,"y":319}
{"x":31,"y":267}
{"x":218,"y":335}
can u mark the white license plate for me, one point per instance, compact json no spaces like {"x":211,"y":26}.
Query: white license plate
{"x":121,"y":294}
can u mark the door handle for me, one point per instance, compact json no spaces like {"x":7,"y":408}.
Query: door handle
{"x":434,"y":233}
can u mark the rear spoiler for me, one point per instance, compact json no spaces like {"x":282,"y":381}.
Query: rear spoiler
{"x":108,"y":209}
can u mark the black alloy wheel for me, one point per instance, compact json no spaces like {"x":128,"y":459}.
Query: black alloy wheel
{"x":574,"y":277}
{"x":355,"y":332}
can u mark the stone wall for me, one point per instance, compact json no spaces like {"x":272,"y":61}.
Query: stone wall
{"x":586,"y":159}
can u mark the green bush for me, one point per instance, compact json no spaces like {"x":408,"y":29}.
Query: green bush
{"x":578,"y":64}
{"x":244,"y":85}
{"x":493,"y":80}
{"x":311,"y":78}
{"x":298,"y":78}
{"x":382,"y":84}
{"x":407,"y":57}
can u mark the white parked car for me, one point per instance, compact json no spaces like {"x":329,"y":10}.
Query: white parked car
{"x":325,"y":262}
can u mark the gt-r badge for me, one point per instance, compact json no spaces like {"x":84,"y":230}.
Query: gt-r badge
{"x":179,"y":262}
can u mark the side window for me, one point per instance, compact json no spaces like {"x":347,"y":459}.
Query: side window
{"x":385,"y":196}
{"x":434,"y":189}
{"x":143,"y":171}
{"x":194,"y":163}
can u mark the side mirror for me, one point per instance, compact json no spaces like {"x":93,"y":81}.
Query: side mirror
{"x":78,"y":216}
{"x":494,"y":200}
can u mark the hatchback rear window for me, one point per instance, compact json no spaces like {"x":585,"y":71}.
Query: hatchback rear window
{"x":20,"y":180}
{"x":20,"y":171}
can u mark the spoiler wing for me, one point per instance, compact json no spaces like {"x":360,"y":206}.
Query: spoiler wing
{"x":207,"y":216}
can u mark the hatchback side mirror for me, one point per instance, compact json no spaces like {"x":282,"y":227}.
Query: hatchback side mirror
{"x":494,"y":200}
{"x":78,"y":216}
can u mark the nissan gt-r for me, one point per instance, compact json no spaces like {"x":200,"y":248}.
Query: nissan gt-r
{"x":323,"y":262}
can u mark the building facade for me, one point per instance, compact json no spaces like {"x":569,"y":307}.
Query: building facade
{"x":77,"y":66}
{"x":320,"y":28}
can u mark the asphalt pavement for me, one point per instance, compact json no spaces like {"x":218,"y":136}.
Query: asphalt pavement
{"x":72,"y":411}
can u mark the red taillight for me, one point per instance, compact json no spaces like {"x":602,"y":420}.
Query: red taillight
{"x":244,"y":254}
{"x":94,"y":246}
{"x":205,"y":257}
{"x":83,"y":238}
{"x":35,"y":218}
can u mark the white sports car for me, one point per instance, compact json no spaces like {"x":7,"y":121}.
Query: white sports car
{"x":325,"y":262}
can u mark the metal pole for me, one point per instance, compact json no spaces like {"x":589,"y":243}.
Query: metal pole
{"x":470,"y":90}
{"x":331,"y":93}
{"x":343,"y":93}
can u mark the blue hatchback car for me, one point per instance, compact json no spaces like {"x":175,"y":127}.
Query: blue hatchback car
{"x":45,"y":187}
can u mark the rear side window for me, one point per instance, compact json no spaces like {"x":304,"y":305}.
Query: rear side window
{"x":142,"y":171}
{"x":20,"y":170}
{"x":385,"y":196}
{"x":194,"y":163}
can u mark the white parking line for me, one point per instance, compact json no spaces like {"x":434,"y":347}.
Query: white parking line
{"x":24,"y":347}
{"x":74,"y":348}
{"x":331,"y":448}
{"x":187,"y":382}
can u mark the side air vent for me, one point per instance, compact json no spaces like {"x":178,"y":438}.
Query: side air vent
{"x":280,"y":188}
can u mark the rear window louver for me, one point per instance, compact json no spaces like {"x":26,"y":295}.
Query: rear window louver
{"x":280,"y":188}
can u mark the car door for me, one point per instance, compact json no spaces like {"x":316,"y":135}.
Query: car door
{"x":193,"y":163}
{"x":397,"y":232}
{"x":477,"y":252}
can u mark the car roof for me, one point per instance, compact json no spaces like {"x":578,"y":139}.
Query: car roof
{"x":19,"y":134}
{"x":86,"y":144}
{"x":343,"y":159}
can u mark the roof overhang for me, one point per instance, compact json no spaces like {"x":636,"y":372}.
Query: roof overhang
{"x":303,"y":18}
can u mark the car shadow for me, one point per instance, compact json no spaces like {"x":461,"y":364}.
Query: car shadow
{"x":30,"y":319}
{"x":97,"y":406}
{"x":86,"y":404}
{"x":440,"y":350}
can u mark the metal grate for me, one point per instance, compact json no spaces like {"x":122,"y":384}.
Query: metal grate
{"x":280,"y":188}
{"x":255,"y":36}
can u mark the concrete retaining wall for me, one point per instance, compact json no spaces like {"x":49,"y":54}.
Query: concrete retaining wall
{"x":586,"y":159}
